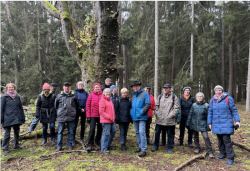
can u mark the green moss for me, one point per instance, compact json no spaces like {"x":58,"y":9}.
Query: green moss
{"x":50,"y":6}
{"x":66,"y":15}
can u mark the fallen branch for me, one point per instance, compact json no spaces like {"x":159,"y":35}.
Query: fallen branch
{"x":86,"y":160}
{"x":83,"y":151}
{"x":241,"y":145}
{"x":201,"y":156}
{"x":80,"y":143}
{"x":19,"y":161}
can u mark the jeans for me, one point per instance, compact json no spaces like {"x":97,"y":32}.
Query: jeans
{"x":140,"y":130}
{"x":52,"y":131}
{"x":108,"y":134}
{"x":93,"y":122}
{"x":225,"y":145}
{"x":33,"y":124}
{"x":70,"y":127}
{"x":206,"y":140}
{"x":182,"y":132}
{"x":123,"y":131}
{"x":169,"y":130}
{"x":6,"y":138}
{"x":148,"y":122}
{"x":83,"y":120}
{"x":163,"y":136}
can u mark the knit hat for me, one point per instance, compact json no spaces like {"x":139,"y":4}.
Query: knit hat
{"x":46,"y":86}
{"x":200,"y":93}
{"x":187,"y":88}
{"x":112,"y":88}
{"x":78,"y":83}
{"x":107,"y":79}
{"x":97,"y":84}
{"x":218,"y":87}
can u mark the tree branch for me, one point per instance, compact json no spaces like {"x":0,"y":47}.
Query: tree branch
{"x":51,"y":9}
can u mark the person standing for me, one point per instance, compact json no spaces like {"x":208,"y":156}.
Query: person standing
{"x":82,"y":97}
{"x":66,"y":104}
{"x":221,"y":116}
{"x":167,"y":108}
{"x":150,"y":114}
{"x":186,"y":102}
{"x":139,"y":113}
{"x":107,"y":119}
{"x":46,"y":113}
{"x":93,"y":118}
{"x":107,"y":84}
{"x":12,"y":115}
{"x":197,"y":121}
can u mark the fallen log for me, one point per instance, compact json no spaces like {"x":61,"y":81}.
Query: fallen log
{"x":241,"y":145}
{"x":201,"y":156}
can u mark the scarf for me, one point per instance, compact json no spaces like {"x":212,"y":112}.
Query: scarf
{"x":186,"y":97}
{"x":12,"y":95}
{"x":220,"y":97}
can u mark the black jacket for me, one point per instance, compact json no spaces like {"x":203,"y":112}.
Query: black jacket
{"x":186,"y":106}
{"x":124,"y":110}
{"x":11,"y":111}
{"x":115,"y":100}
{"x":66,"y":106}
{"x":45,"y":109}
{"x":105,"y":86}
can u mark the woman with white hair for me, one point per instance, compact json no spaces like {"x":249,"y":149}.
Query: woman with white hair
{"x":197,"y":121}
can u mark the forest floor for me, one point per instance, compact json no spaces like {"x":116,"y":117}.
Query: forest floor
{"x":29,"y":158}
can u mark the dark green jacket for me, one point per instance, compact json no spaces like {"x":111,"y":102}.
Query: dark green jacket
{"x":197,"y":118}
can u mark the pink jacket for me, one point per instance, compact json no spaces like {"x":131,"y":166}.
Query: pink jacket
{"x":92,"y":104}
{"x":106,"y":110}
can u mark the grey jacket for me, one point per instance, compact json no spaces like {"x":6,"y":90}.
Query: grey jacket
{"x":165,"y":111}
{"x":66,"y":106}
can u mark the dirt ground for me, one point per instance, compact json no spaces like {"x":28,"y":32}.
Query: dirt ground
{"x":29,"y":158}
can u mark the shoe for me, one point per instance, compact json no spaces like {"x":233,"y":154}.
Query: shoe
{"x":69,"y":148}
{"x":170,"y":151}
{"x":137,"y":150}
{"x":18,"y":147}
{"x":123,"y":147}
{"x":163,"y":144}
{"x":53,"y":141}
{"x":180,"y":143}
{"x":89,"y":148}
{"x":222,"y":156}
{"x":6,"y":151}
{"x":82,"y":140}
{"x":142,"y":154}
{"x":58,"y":149}
{"x":105,"y":151}
{"x":197,"y":151}
{"x":149,"y":143}
{"x":29,"y":131}
{"x":155,"y":148}
{"x":44,"y":142}
{"x":229,"y":162}
{"x":211,"y":155}
{"x":190,"y":145}
{"x":111,"y":148}
{"x":97,"y":147}
{"x":73,"y":143}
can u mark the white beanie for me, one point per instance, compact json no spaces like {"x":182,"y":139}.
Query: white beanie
{"x":200,"y":93}
{"x":218,"y":87}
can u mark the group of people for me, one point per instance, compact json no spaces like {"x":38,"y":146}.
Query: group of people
{"x":103,"y":109}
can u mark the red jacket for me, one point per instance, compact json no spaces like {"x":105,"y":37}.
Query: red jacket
{"x":92,"y":104}
{"x":106,"y":110}
{"x":150,"y":111}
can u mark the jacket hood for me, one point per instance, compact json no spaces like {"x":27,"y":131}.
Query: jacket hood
{"x":126,"y":98}
{"x":200,"y":103}
{"x":106,"y":98}
{"x":79,"y":90}
{"x":138,"y":92}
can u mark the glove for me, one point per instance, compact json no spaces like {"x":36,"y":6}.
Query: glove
{"x":88,"y":120}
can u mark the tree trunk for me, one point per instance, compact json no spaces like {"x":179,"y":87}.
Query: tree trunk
{"x":192,"y":45}
{"x":248,"y":83}
{"x":50,"y":48}
{"x":125,"y":83}
{"x":230,"y":87}
{"x":156,"y":52}
{"x":173,"y":66}
{"x":39,"y":54}
{"x":223,"y":49}
{"x":239,"y":75}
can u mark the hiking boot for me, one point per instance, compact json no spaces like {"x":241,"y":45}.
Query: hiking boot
{"x":170,"y":151}
{"x":149,"y":143}
{"x":180,"y":143}
{"x":190,"y":145}
{"x":229,"y":162}
{"x":222,"y":156}
{"x":58,"y":149}
{"x":89,"y":148}
{"x":18,"y":147}
{"x":123,"y":147}
{"x":105,"y":151}
{"x":6,"y":151}
{"x":155,"y":148}
{"x":73,"y":143}
{"x":211,"y":155}
{"x":197,"y":151}
{"x":69,"y":148}
{"x":44,"y":142}
{"x":53,"y":141}
{"x":142,"y":154}
{"x":31,"y":130}
{"x":163,"y":144}
{"x":111,"y":148}
{"x":137,"y":150}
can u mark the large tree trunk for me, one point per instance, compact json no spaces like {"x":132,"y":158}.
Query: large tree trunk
{"x":156,"y":52}
{"x":239,"y":75}
{"x":192,"y":45}
{"x":230,"y":87}
{"x":50,"y":48}
{"x":173,"y":66}
{"x":248,"y":83}
{"x":125,"y":82}
{"x":223,"y":49}
{"x":39,"y":54}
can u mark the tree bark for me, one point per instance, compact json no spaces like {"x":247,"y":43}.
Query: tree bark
{"x":156,"y":52}
{"x":248,"y":83}
{"x":230,"y":87}
{"x":51,"y":47}
{"x":192,"y":45}
{"x":173,"y":65}
{"x":125,"y":83}
{"x":39,"y":54}
{"x":239,"y":75}
{"x":223,"y":49}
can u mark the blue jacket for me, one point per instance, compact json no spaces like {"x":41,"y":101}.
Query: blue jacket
{"x":82,"y":96}
{"x":221,"y":114}
{"x":140,"y":105}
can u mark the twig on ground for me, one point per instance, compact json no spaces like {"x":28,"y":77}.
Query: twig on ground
{"x":83,"y":151}
{"x":241,"y":145}
{"x":86,"y":160}
{"x":80,"y":143}
{"x":19,"y":161}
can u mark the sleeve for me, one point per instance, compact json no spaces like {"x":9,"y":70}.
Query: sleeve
{"x":38,"y":106}
{"x":147,"y":104}
{"x":22,"y":112}
{"x":233,"y":109}
{"x":190,"y":116}
{"x":88,"y":106}
{"x":210,"y":113}
{"x":102,"y":109}
{"x":178,"y":116}
{"x":57,"y":101}
{"x":175,"y":109}
{"x":87,"y":95}
{"x":2,"y":108}
{"x":157,"y":103}
{"x":152,"y":103}
{"x":206,"y":110}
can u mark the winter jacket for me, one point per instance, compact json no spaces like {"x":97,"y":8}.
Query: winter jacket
{"x":124,"y":110}
{"x":66,"y":106}
{"x":106,"y":110}
{"x":165,"y":110}
{"x":105,"y":86}
{"x":82,"y":96}
{"x":92,"y":104}
{"x":178,"y":116}
{"x":115,"y":100}
{"x":45,"y":109}
{"x":221,"y":115}
{"x":186,"y":106}
{"x":150,"y":111}
{"x":11,"y":111}
{"x":197,"y":118}
{"x":140,"y":105}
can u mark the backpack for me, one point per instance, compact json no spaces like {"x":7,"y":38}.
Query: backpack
{"x":173,"y":97}
{"x":225,"y":99}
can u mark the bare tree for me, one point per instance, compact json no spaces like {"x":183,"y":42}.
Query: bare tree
{"x":223,"y":48}
{"x":192,"y":45}
{"x":156,"y":52}
{"x":248,"y":83}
